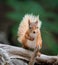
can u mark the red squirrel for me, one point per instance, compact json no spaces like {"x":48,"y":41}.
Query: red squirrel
{"x":29,"y":34}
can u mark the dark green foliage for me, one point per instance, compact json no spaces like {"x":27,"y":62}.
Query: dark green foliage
{"x":47,"y":11}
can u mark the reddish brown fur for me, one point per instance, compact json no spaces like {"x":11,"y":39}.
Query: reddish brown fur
{"x":33,"y":27}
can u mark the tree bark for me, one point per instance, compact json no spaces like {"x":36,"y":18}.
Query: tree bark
{"x":24,"y":54}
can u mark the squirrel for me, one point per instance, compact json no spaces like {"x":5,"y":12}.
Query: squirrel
{"x":29,"y":33}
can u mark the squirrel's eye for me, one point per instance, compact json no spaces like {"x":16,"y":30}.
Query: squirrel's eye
{"x":29,"y":27}
{"x":37,"y":27}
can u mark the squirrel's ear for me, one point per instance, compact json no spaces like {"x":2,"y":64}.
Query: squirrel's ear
{"x":29,"y":22}
{"x":36,"y":22}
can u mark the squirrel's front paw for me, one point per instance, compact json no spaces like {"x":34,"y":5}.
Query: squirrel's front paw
{"x":31,"y":39}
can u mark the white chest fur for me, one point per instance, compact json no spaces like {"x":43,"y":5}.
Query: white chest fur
{"x":32,"y":44}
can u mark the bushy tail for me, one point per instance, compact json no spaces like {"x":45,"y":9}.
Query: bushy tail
{"x":23,"y":26}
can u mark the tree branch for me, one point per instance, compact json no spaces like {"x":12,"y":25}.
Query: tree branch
{"x":24,"y":54}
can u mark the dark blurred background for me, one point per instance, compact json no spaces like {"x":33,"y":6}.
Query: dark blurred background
{"x":11,"y":13}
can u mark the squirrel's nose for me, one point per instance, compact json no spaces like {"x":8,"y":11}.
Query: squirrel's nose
{"x":33,"y":31}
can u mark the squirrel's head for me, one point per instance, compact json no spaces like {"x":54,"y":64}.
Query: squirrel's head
{"x":33,"y":26}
